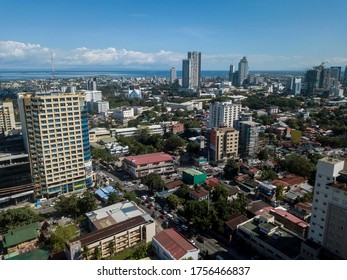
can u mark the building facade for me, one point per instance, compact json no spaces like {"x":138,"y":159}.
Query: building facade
{"x":186,"y":73}
{"x":173,"y":75}
{"x":7,"y":120}
{"x":231,"y":73}
{"x":142,"y":165}
{"x":242,"y":71}
{"x":248,"y":138}
{"x":223,"y":144}
{"x":223,"y":114}
{"x":191,"y":71}
{"x":55,"y":131}
{"x":328,"y":225}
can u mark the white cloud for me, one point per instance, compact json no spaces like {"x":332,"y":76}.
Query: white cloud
{"x":18,"y":55}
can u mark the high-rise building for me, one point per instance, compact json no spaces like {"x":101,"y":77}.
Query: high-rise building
{"x":223,"y":144}
{"x":335,"y":72}
{"x":231,"y":73}
{"x":186,"y":73}
{"x":248,"y":135}
{"x":91,"y":84}
{"x":173,"y":76}
{"x":195,"y":64}
{"x":345,"y":77}
{"x":56,"y":135}
{"x":328,"y":225}
{"x":324,"y":81}
{"x":223,"y":114}
{"x":294,"y":84}
{"x":235,"y":78}
{"x":7,"y":120}
{"x":243,"y":71}
{"x":191,"y":69}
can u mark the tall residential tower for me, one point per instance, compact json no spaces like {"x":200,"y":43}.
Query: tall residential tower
{"x":55,"y":131}
{"x":243,"y":71}
{"x":191,"y":70}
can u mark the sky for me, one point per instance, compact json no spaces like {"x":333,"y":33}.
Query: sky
{"x":157,"y":34}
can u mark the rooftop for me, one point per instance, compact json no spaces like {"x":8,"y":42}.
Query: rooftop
{"x":175,"y":243}
{"x":114,"y":213}
{"x":20,"y":235}
{"x":290,"y":217}
{"x":282,"y":240}
{"x":149,"y":158}
{"x":199,"y":192}
{"x":192,"y":172}
{"x":111,"y":230}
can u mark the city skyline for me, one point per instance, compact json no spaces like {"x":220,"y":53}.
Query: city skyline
{"x":157,"y":35}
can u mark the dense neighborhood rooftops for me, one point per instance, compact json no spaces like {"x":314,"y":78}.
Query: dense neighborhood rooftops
{"x":176,"y":244}
{"x":149,"y":158}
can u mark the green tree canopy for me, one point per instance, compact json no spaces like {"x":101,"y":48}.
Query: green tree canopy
{"x":18,"y":217}
{"x":173,"y":201}
{"x":61,"y":235}
{"x":173,"y":142}
{"x":153,"y":181}
{"x":231,"y":169}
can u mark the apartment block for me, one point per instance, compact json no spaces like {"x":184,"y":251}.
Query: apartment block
{"x":55,"y":131}
{"x":7,"y":120}
{"x":223,"y":144}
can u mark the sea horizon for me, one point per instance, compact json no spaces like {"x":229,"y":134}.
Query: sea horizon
{"x":38,"y":74}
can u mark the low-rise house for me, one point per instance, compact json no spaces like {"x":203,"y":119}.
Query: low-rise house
{"x":173,"y":185}
{"x":21,"y":240}
{"x":302,"y":210}
{"x":199,"y":194}
{"x":232,"y":223}
{"x":171,"y":245}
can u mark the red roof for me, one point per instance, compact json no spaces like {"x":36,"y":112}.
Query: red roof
{"x":175,"y":243}
{"x":212,"y":182}
{"x":149,"y":158}
{"x":199,"y":192}
{"x":290,"y":217}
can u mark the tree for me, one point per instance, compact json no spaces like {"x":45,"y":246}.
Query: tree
{"x":279,"y":193}
{"x":153,"y":181}
{"x":239,"y":205}
{"x":18,"y":217}
{"x":131,"y":196}
{"x":173,"y":143}
{"x":231,"y":169}
{"x":111,"y":247}
{"x":61,"y":235}
{"x":86,"y":203}
{"x":193,"y":148}
{"x":173,"y":201}
{"x":112,"y":198}
{"x":85,"y":252}
{"x":298,"y":165}
{"x":97,"y":253}
{"x":263,"y":154}
{"x":183,"y":191}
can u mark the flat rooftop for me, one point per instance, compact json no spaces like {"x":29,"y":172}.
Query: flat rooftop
{"x":114,"y":214}
{"x":192,"y":171}
{"x":287,"y":243}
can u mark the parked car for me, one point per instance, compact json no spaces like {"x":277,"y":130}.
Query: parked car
{"x":184,"y":227}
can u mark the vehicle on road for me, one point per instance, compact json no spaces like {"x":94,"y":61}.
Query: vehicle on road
{"x":141,"y":186}
{"x":192,"y":241}
{"x":184,"y":227}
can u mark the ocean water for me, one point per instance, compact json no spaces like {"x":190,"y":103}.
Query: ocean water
{"x":11,"y":75}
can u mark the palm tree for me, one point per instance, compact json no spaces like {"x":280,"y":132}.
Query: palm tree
{"x":97,"y":253}
{"x":111,"y":248}
{"x":85,"y":252}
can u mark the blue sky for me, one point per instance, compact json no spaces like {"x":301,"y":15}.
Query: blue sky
{"x":157,"y":34}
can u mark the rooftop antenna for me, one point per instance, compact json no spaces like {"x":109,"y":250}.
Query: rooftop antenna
{"x":52,"y":62}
